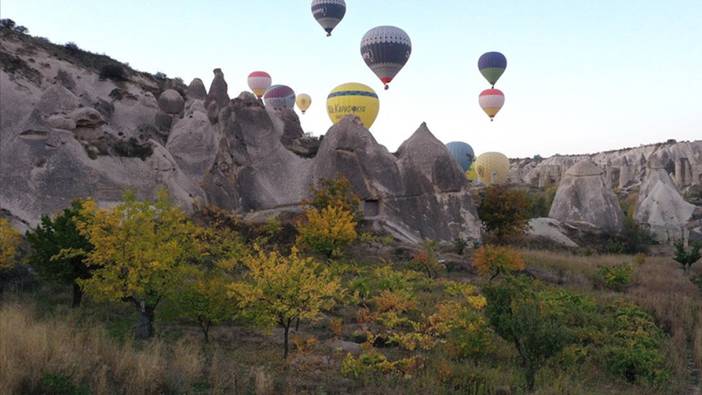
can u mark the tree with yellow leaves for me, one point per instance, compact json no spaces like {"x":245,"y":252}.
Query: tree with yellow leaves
{"x":277,"y":290}
{"x":140,"y":249}
{"x":9,"y":242}
{"x":491,"y":260}
{"x":327,"y":231}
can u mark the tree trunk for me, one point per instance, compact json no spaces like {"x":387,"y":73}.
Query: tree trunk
{"x":286,"y":327}
{"x":77,"y":295}
{"x":145,"y":327}
{"x":205,"y":326}
{"x":530,"y":377}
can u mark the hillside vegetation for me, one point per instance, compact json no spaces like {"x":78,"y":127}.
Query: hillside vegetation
{"x":211,"y":304}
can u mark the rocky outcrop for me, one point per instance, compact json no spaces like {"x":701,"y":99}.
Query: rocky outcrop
{"x":661,"y":206}
{"x":98,"y":139}
{"x":218,"y":92}
{"x":550,"y":229}
{"x":584,"y":198}
{"x":624,"y":169}
{"x":171,"y":102}
{"x":196,"y":90}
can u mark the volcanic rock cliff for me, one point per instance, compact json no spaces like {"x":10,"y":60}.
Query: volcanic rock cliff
{"x":75,"y":124}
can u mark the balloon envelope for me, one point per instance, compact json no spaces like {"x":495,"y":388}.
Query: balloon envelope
{"x":328,"y":13}
{"x":492,"y":168}
{"x":386,"y":49}
{"x":462,"y":153}
{"x":353,"y":99}
{"x":278,"y":97}
{"x":303,"y":102}
{"x":492,"y":65}
{"x":259,"y":82}
{"x":491,"y":101}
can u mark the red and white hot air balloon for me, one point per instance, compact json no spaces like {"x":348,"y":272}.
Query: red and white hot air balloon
{"x":259,"y":82}
{"x":491,"y":100}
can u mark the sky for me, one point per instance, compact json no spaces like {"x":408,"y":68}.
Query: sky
{"x":582,"y":76}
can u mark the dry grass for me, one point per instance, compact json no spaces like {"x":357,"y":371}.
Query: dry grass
{"x":31,"y":349}
{"x":659,"y":286}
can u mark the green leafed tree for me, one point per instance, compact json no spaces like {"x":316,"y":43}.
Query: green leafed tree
{"x":687,"y":257}
{"x":59,"y":251}
{"x":518,"y":315}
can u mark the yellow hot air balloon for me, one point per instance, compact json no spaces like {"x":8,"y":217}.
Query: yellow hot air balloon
{"x":303,"y":102}
{"x":353,"y":99}
{"x":471,"y":174}
{"x":492,"y":168}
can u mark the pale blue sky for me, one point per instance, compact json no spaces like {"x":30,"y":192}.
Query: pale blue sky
{"x":583,"y":76}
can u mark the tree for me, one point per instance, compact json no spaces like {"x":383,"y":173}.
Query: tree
{"x":687,"y":257}
{"x":59,"y":250}
{"x":140,"y":250}
{"x":277,"y":290}
{"x":327,"y":231}
{"x":202,"y":298}
{"x":492,"y":261}
{"x":504,"y":212}
{"x":517,"y":314}
{"x":9,"y":243}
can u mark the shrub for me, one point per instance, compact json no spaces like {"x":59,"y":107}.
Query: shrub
{"x":426,"y":261}
{"x":687,"y":257}
{"x":492,"y":260}
{"x":459,"y":245}
{"x":114,"y":72}
{"x":504,"y":212}
{"x":336,"y":192}
{"x":617,"y":277}
{"x":9,"y":242}
{"x":59,"y":251}
{"x":72,"y":47}
{"x":58,"y":384}
{"x":327,"y":231}
{"x":634,"y":347}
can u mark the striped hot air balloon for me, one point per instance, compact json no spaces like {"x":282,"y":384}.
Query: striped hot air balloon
{"x":386,"y":50}
{"x":353,"y":99}
{"x":278,"y":97}
{"x":328,"y":13}
{"x":259,"y":82}
{"x":303,"y":102}
{"x":491,"y":66}
{"x":491,"y":100}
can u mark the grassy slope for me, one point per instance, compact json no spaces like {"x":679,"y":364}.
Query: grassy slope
{"x":92,"y":346}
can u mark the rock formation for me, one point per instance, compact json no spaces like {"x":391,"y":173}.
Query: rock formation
{"x":661,"y":207}
{"x":81,"y":136}
{"x":584,"y":198}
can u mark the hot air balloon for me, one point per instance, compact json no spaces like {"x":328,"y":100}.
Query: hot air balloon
{"x":353,"y":99}
{"x":259,"y":82}
{"x":491,"y":66}
{"x":386,"y":49}
{"x":462,"y":153}
{"x":303,"y":102}
{"x":492,"y":168}
{"x":278,"y":97}
{"x":471,"y":174}
{"x":328,"y":13}
{"x":491,"y":100}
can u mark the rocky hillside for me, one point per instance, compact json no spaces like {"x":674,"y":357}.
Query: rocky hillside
{"x":75,"y":124}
